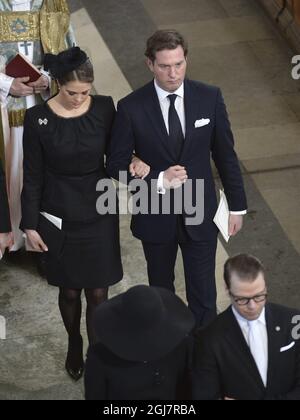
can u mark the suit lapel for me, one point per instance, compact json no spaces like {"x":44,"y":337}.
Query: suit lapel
{"x":190,"y":105}
{"x":274,"y":339}
{"x":240,"y":347}
{"x":194,"y":109}
{"x":153,"y":109}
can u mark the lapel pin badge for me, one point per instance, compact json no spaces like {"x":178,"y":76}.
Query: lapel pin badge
{"x":278,"y":329}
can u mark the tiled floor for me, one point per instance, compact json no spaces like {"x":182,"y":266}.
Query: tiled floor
{"x":232,"y":45}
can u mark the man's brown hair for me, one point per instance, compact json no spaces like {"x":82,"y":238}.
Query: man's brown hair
{"x":246,"y":266}
{"x":167,"y":39}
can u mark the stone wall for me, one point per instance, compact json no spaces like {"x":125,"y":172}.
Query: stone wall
{"x":286,"y":14}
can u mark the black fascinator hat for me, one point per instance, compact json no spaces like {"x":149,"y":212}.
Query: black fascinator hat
{"x":65,"y":62}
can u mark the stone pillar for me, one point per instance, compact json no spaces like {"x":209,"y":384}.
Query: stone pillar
{"x":286,"y":15}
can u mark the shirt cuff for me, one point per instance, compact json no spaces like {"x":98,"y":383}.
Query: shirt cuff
{"x":5,"y":85}
{"x":239,"y":213}
{"x":46,"y":94}
{"x":45,"y":73}
{"x":160,"y":184}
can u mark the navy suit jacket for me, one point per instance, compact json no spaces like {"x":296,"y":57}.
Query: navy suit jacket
{"x":4,"y":210}
{"x":139,"y":127}
{"x":224,"y":366}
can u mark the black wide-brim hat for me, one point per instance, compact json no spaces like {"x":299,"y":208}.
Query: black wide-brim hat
{"x":143,"y":324}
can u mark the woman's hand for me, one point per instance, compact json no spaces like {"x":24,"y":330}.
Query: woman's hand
{"x":6,"y":241}
{"x":138,"y":168}
{"x":36,"y":241}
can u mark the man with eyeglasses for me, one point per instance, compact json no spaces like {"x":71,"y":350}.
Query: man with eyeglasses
{"x":251,"y":351}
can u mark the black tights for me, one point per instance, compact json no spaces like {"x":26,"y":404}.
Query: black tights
{"x":94,"y":297}
{"x":69,"y":301}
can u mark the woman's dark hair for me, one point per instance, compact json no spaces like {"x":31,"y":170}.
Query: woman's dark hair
{"x":70,"y":65}
{"x":165,"y":40}
{"x":84,"y":73}
{"x":245,"y":266}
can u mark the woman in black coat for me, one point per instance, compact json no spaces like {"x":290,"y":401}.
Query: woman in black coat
{"x":65,"y":141}
{"x":144,"y":347}
{"x":6,"y":236}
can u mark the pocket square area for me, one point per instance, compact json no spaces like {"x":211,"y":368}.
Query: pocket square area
{"x":202,"y":122}
{"x":286,"y":348}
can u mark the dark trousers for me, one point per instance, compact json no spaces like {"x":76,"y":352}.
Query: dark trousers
{"x":199,"y":259}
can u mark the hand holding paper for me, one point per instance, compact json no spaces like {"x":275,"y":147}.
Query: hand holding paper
{"x":50,"y":229}
{"x":235,"y":224}
{"x":35,"y":241}
{"x":227,"y":223}
{"x":221,"y":218}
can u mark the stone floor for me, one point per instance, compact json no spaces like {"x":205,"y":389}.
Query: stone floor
{"x":234,"y":45}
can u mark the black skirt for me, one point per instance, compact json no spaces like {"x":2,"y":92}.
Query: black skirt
{"x":91,"y":256}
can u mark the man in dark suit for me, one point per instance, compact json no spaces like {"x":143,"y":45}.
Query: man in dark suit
{"x":175,"y":125}
{"x":6,"y":238}
{"x":252,"y":350}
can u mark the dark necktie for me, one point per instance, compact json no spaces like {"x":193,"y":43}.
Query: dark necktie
{"x":175,"y":128}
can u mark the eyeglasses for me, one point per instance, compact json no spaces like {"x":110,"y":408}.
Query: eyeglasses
{"x":243,"y":301}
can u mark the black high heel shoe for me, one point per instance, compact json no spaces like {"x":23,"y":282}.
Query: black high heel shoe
{"x":74,"y":374}
{"x":74,"y":363}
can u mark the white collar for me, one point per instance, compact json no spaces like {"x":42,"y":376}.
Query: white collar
{"x":244,"y":321}
{"x":163,"y":94}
